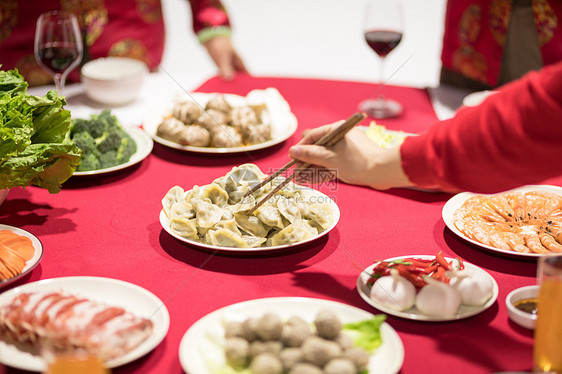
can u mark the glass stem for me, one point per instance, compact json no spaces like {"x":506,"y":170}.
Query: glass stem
{"x":381,"y":67}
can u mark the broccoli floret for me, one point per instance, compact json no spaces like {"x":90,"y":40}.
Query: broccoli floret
{"x":94,"y":126}
{"x":126,"y":149}
{"x":84,"y":141}
{"x":89,"y":161}
{"x":111,"y":140}
{"x":108,"y":159}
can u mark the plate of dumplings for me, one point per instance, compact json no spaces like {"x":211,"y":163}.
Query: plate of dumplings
{"x":223,"y":123}
{"x":215,"y":218}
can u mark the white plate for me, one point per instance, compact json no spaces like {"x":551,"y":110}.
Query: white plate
{"x":144,"y":147}
{"x":110,"y":291}
{"x":259,"y":250}
{"x":283,"y":122}
{"x":458,"y":200}
{"x":413,"y":313}
{"x":32,"y":262}
{"x":201,"y":344}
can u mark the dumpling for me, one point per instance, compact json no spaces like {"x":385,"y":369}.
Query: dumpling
{"x":255,"y":134}
{"x":170,"y":129}
{"x":297,"y":232}
{"x":186,"y":111}
{"x":172,"y":196}
{"x":227,"y":137}
{"x":269,"y":215}
{"x":253,"y":241}
{"x":218,"y":102}
{"x":182,"y":209}
{"x":184,"y":227}
{"x":320,"y":213}
{"x":229,"y":225}
{"x":243,"y":117}
{"x":289,"y":208}
{"x":211,"y":120}
{"x":207,"y":214}
{"x":225,"y":238}
{"x":252,"y":225}
{"x":216,"y":194}
{"x":196,"y":136}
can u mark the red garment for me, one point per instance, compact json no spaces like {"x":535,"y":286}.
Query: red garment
{"x":476,"y":31}
{"x":132,"y":28}
{"x":513,"y":138}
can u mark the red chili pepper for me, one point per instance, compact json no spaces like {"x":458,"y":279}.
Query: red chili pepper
{"x":416,"y":280}
{"x":441,"y":260}
{"x":461,"y":263}
{"x":430,"y":269}
{"x":420,"y":262}
{"x":440,"y":275}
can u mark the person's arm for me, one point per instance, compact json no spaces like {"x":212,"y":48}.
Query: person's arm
{"x":512,"y":139}
{"x":212,"y":26}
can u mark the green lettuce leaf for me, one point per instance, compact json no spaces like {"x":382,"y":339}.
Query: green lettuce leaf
{"x":35,"y":146}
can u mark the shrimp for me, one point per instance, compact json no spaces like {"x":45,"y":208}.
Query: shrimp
{"x":518,"y":203}
{"x":534,"y":243}
{"x":549,"y":242}
{"x":500,"y":204}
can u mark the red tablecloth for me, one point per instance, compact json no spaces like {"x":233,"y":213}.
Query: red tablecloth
{"x":108,"y":226}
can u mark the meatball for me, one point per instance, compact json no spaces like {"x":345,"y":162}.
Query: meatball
{"x":295,"y":331}
{"x":236,"y":351}
{"x":196,"y":136}
{"x":305,"y":368}
{"x":319,"y":351}
{"x":340,"y":366}
{"x":290,"y":356}
{"x":258,"y":133}
{"x":249,"y":329}
{"x":270,"y":327}
{"x":233,"y":328}
{"x":186,"y":111}
{"x":219,"y":103}
{"x":170,"y":129}
{"x":327,"y":324}
{"x":227,"y":137}
{"x":211,"y":119}
{"x":344,"y":340}
{"x":258,"y":347}
{"x":243,"y":117}
{"x":266,"y":363}
{"x":358,"y":356}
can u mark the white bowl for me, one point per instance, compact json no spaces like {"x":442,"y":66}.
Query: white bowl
{"x":520,"y":317}
{"x":113,"y":80}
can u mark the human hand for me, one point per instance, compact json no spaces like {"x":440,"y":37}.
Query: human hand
{"x":224,"y":55}
{"x":355,"y":159}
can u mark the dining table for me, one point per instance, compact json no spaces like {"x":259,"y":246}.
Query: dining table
{"x":107,"y":225}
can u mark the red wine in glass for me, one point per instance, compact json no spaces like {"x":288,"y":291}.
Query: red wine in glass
{"x":382,"y":42}
{"x":58,"y":56}
{"x":58,"y":44}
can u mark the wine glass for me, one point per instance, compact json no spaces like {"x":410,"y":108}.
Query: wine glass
{"x":58,"y":45}
{"x":383,"y":30}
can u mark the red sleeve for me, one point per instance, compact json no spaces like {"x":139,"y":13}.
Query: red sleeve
{"x":512,"y":139}
{"x":208,"y":13}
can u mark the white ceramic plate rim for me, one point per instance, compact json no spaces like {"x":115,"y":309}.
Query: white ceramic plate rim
{"x":458,"y":200}
{"x":259,"y":250}
{"x":284,"y":124}
{"x":144,"y":147}
{"x":111,"y":291}
{"x":464,"y":311}
{"x":32,"y":262}
{"x":388,"y":358}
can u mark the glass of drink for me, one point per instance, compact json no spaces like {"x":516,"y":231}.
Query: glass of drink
{"x":382,"y":27}
{"x":547,"y":353}
{"x":58,"y":45}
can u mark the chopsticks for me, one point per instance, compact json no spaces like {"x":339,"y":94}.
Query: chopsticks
{"x":327,"y":140}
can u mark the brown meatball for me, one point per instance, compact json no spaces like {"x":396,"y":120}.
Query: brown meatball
{"x":327,"y":324}
{"x":319,"y":351}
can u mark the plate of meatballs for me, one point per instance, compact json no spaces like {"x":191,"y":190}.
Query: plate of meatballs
{"x":287,"y":335}
{"x":223,"y":123}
